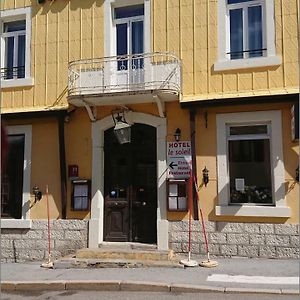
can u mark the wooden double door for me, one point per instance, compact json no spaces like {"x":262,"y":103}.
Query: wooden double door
{"x":130,"y":186}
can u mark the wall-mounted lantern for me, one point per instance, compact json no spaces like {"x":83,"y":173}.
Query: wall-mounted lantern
{"x":177,"y":134}
{"x":37,"y":193}
{"x":122,"y":129}
{"x":205,"y":176}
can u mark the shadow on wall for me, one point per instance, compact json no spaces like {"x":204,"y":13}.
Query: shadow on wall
{"x":58,"y":6}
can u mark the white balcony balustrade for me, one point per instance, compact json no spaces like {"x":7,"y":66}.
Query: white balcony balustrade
{"x":120,"y":76}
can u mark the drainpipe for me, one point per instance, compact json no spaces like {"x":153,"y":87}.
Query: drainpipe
{"x":194,"y":166}
{"x":62,"y":160}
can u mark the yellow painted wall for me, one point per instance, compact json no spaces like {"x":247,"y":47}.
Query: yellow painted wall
{"x":62,"y":31}
{"x":189,"y":28}
{"x":45,"y":168}
{"x":78,"y":140}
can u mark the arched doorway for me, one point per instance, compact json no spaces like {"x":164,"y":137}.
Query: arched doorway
{"x":130,"y":186}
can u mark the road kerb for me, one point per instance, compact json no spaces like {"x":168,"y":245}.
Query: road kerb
{"x":240,"y":290}
{"x":144,"y":286}
{"x":290,"y":292}
{"x":40,"y":285}
{"x":95,"y":285}
{"x":188,"y":288}
{"x":8,"y":286}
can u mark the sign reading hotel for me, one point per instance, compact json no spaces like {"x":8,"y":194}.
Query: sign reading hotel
{"x":179,"y":159}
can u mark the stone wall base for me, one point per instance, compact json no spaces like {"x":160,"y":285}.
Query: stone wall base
{"x":237,"y":239}
{"x":18,"y":245}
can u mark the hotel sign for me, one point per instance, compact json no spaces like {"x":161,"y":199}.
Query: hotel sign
{"x":179,"y":159}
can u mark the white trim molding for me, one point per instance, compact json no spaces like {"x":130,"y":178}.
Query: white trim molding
{"x":270,"y":59}
{"x":277,"y":167}
{"x":24,"y":222}
{"x":14,"y":15}
{"x":96,"y":226}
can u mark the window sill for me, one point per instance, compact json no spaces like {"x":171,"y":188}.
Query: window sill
{"x":9,"y":83}
{"x":247,"y":63}
{"x":15,"y":223}
{"x":253,"y":211}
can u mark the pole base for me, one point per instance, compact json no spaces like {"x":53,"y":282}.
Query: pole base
{"x":49,"y":264}
{"x":189,"y":263}
{"x":208,"y":264}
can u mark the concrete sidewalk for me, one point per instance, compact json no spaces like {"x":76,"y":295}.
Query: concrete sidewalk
{"x":232,"y":275}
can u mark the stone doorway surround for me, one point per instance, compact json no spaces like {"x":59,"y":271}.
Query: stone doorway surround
{"x":96,"y":223}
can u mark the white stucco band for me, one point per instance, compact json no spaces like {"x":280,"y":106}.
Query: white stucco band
{"x":96,"y":225}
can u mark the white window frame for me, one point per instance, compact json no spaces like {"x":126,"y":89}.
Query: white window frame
{"x":25,"y":221}
{"x":110,"y":47}
{"x":276,"y":157}
{"x":16,"y":15}
{"x":269,"y":59}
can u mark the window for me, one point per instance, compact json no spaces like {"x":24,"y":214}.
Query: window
{"x":246,"y":28}
{"x":246,"y":34}
{"x":130,"y":35}
{"x":250,"y":165}
{"x":136,"y":36}
{"x":81,"y":194}
{"x":14,"y":40}
{"x":15,"y":47}
{"x":15,"y":181}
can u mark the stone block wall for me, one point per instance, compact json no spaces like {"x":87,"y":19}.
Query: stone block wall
{"x":237,"y":239}
{"x":18,"y":245}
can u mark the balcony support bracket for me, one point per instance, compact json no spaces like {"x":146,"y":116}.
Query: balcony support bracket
{"x":160,"y":106}
{"x":91,"y":111}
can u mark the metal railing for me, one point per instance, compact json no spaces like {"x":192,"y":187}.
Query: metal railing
{"x":126,"y":73}
{"x":12,"y":72}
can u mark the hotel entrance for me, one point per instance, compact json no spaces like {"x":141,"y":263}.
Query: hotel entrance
{"x":130,"y":186}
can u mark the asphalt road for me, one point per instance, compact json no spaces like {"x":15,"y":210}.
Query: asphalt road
{"x":92,"y":295}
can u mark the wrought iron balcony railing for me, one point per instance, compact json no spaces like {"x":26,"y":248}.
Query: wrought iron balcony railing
{"x":13,"y":72}
{"x":127,"y":73}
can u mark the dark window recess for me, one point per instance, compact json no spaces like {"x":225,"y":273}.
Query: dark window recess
{"x":12,"y":179}
{"x":14,"y":26}
{"x":238,"y":1}
{"x":250,"y":172}
{"x":129,"y":11}
{"x":257,"y":129}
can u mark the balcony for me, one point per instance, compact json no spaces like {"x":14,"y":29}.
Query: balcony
{"x":128,"y":79}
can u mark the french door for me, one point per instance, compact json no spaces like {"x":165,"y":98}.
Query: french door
{"x":130,"y":186}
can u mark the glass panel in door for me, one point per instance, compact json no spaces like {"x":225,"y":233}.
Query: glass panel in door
{"x":122,"y":46}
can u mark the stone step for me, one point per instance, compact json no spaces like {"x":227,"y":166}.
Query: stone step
{"x":127,"y":245}
{"x":119,"y":255}
{"x":114,"y":263}
{"x":124,"y":253}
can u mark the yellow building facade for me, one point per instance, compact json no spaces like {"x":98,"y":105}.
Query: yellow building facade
{"x":225,"y":73}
